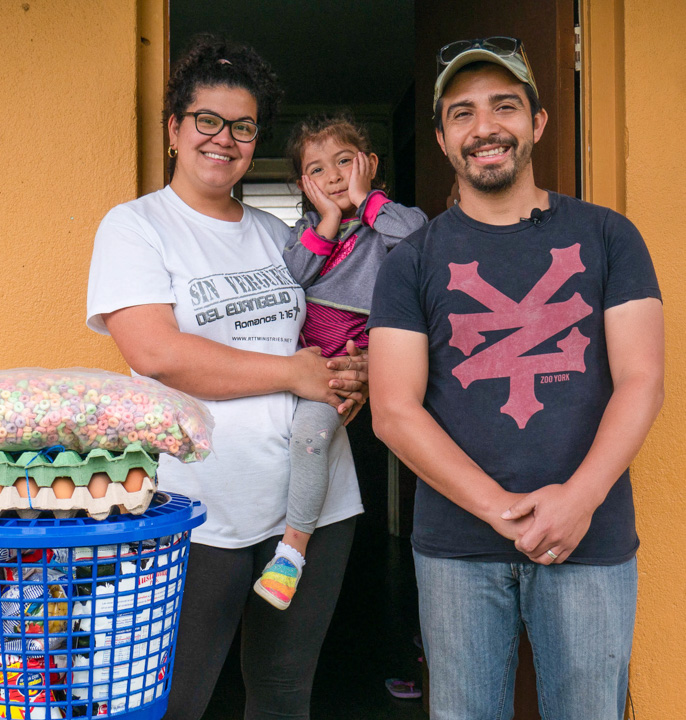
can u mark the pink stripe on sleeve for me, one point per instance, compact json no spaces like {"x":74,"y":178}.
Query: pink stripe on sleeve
{"x":374,"y":203}
{"x":317,"y":244}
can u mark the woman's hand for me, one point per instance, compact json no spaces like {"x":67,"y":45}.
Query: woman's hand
{"x":352,"y":367}
{"x":330,"y":379}
{"x":327,"y":209}
{"x":360,"y":179}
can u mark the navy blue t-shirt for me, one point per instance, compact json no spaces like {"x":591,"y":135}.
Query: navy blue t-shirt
{"x":518,"y":370}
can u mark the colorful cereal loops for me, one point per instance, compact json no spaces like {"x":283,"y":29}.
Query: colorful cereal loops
{"x":84,"y":409}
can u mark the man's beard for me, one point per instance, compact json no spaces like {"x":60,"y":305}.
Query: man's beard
{"x":492,"y":179}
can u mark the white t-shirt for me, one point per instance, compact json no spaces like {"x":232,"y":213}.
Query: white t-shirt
{"x":226,"y":281}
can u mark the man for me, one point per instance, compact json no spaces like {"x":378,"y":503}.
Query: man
{"x":516,"y":365}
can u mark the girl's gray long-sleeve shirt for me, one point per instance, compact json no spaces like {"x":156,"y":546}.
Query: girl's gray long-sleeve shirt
{"x":341,"y":272}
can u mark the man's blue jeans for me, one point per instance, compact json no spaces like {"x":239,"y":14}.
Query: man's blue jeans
{"x":580,"y":621}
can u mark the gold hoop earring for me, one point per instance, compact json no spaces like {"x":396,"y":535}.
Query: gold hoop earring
{"x":172,"y":152}
{"x":251,"y":168}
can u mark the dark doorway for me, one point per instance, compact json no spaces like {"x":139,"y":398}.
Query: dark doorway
{"x":547,"y":30}
{"x":327,"y":55}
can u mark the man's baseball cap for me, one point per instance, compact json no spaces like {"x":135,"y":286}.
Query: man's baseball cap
{"x":505,"y":51}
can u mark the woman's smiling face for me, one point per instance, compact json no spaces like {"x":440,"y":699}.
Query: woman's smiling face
{"x":209,"y":165}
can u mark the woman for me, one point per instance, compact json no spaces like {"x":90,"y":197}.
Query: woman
{"x":191,"y":285}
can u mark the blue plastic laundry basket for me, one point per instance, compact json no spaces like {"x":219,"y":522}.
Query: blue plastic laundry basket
{"x":89,"y":611}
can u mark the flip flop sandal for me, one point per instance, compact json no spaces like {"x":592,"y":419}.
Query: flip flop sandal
{"x":403,"y":688}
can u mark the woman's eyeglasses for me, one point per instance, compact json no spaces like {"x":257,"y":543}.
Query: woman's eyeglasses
{"x":209,"y":123}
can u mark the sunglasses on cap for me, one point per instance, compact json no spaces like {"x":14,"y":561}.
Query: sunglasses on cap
{"x":506,"y":51}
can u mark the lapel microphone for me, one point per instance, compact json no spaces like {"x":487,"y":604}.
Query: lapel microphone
{"x":536,"y":217}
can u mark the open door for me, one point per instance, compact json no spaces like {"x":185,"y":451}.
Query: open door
{"x":547,"y":29}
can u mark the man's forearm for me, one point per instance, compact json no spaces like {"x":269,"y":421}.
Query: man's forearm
{"x":632,"y":409}
{"x":635,"y":342}
{"x":419,"y":442}
{"x":401,"y":422}
{"x":562,"y":513}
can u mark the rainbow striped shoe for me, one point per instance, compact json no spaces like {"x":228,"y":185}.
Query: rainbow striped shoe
{"x":279,"y":582}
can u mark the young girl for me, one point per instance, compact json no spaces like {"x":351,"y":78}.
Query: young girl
{"x":334,"y":252}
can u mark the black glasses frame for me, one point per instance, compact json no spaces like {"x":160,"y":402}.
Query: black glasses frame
{"x":225,"y":122}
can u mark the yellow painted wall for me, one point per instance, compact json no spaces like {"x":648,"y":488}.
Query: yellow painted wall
{"x":655,"y":87}
{"x":72,"y":112}
{"x":69,"y":153}
{"x":634,"y":78}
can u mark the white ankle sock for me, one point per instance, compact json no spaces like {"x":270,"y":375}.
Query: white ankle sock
{"x":291,"y":553}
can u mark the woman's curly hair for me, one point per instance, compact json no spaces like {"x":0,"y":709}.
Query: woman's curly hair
{"x":210,"y":60}
{"x":340,"y":125}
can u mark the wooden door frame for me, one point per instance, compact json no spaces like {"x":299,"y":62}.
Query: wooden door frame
{"x":152,"y":43}
{"x":603,"y":116}
{"x":603,"y":109}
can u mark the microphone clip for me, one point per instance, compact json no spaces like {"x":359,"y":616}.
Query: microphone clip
{"x":536,"y":217}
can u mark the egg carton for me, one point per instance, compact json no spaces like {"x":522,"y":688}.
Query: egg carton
{"x":116,"y":496}
{"x":70,"y":482}
{"x":72,"y":465}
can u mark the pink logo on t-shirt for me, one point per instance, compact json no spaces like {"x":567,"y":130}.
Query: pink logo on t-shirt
{"x":536,"y":320}
{"x":339,"y":253}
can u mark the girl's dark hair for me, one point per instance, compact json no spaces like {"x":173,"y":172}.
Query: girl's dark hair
{"x":317,"y":128}
{"x":210,"y":60}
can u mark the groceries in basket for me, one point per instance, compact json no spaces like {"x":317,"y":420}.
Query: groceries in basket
{"x":23,"y":686}
{"x":122,"y":624}
{"x":35,"y":609}
{"x":119,"y":625}
{"x":89,"y":630}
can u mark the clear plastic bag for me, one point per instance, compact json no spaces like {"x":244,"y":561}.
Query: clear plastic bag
{"x":83,"y":409}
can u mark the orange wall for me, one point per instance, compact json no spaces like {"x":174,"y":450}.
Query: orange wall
{"x":68,"y":89}
{"x":655,"y":91}
{"x":634,"y":78}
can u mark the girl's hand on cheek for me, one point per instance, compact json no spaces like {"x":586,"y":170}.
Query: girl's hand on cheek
{"x":327,"y":208}
{"x":323,"y":204}
{"x":360,"y":179}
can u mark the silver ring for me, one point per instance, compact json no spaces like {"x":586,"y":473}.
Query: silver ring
{"x":552,"y":554}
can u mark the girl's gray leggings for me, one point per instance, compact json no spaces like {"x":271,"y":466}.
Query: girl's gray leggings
{"x":314,"y":425}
